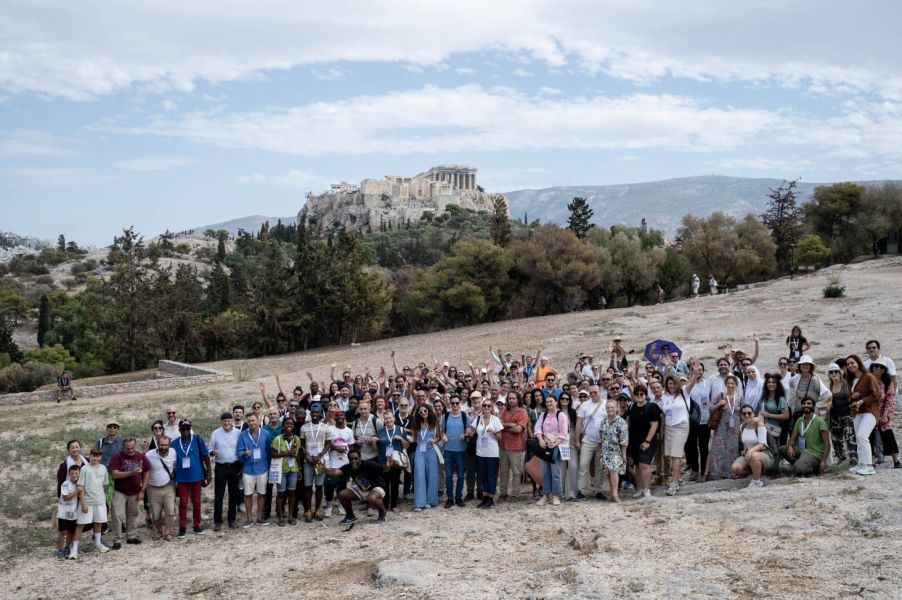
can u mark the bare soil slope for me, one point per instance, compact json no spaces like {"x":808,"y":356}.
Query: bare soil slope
{"x":829,"y":537}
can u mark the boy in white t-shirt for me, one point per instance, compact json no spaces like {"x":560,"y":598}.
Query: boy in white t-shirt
{"x":92,"y":482}
{"x":66,"y":512}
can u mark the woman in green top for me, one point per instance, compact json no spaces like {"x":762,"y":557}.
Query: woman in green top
{"x":286,"y":448}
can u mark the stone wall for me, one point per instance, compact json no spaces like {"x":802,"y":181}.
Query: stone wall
{"x":176,"y":376}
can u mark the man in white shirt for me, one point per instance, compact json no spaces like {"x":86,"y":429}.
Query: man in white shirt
{"x":171,"y":426}
{"x":873,"y":350}
{"x":227,"y":470}
{"x":159,"y":488}
{"x":588,"y":422}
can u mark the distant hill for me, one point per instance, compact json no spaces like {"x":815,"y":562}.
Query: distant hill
{"x":250,"y":224}
{"x":661,"y":203}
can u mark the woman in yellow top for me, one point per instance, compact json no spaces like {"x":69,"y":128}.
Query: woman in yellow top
{"x":287,"y":447}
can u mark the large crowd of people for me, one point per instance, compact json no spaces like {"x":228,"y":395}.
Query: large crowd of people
{"x":402,"y":439}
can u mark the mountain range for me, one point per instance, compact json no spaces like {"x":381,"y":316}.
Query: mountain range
{"x":661,"y":203}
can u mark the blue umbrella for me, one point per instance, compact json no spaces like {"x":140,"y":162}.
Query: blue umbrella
{"x":654,"y":349}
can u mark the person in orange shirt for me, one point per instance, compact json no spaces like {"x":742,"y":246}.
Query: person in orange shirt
{"x":542,"y":370}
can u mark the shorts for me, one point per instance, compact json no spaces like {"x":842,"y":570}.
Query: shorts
{"x":66,"y":525}
{"x":767,"y":461}
{"x":310,"y":476}
{"x":675,"y":437}
{"x":643,"y":457}
{"x":361,"y":495}
{"x":96,"y":514}
{"x":289,"y":482}
{"x":256,"y":483}
{"x":161,"y":501}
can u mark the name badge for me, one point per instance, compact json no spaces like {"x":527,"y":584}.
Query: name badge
{"x":421,"y":448}
{"x":389,"y":450}
{"x":290,"y":463}
{"x":314,"y":450}
{"x":484,"y":442}
{"x":802,"y":443}
{"x":257,"y":454}
{"x":186,"y":462}
{"x":669,"y":413}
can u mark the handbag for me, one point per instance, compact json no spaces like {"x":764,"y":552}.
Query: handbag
{"x":715,"y":418}
{"x":546,"y":454}
{"x":695,"y":411}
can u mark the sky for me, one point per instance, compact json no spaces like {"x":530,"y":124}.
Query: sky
{"x":169,"y":115}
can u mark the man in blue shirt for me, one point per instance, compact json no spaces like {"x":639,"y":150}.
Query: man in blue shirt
{"x":253,"y":450}
{"x":192,"y":473}
{"x":224,"y":450}
{"x":455,"y":426}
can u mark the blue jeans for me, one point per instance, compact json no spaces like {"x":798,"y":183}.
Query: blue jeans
{"x":454,"y":463}
{"x":488,"y":473}
{"x":425,"y":478}
{"x":551,"y":478}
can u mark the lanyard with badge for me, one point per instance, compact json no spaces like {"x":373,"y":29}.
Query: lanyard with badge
{"x":315,"y":447}
{"x":291,"y":454}
{"x":803,"y":429}
{"x":391,"y":437}
{"x":186,"y":460}
{"x":422,"y":447}
{"x":361,"y":430}
{"x":256,"y":454}
{"x":732,"y":406}
{"x":485,"y":439}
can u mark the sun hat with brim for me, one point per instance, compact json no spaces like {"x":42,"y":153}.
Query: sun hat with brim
{"x":476,"y":394}
{"x":880,"y":362}
{"x":806,"y":360}
{"x":833,"y":367}
{"x":583,"y":393}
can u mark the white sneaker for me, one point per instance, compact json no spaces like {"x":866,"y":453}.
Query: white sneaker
{"x":866,"y":470}
{"x":101,"y":548}
{"x":646,"y":493}
{"x":327,"y":512}
{"x":756,"y":483}
{"x":542,"y":501}
{"x":341,"y":510}
{"x":855,"y":469}
{"x":637,"y":493}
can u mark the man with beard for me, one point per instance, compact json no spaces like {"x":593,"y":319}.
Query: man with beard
{"x":366,"y":484}
{"x":130,"y":471}
{"x":316,"y":442}
{"x":809,"y":444}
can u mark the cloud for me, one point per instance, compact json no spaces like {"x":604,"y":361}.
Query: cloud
{"x":465,"y":71}
{"x":169,"y":105}
{"x":763,"y":163}
{"x":468,"y":118}
{"x":329,"y":73}
{"x":153,"y":163}
{"x":165,"y":46}
{"x":53,"y":177}
{"x":521,"y":72}
{"x":30,"y":142}
{"x":296,"y":179}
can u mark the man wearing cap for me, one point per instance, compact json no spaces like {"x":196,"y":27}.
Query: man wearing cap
{"x":111,"y":444}
{"x":130,"y":470}
{"x":470,"y":471}
{"x":192,"y":472}
{"x":809,"y":444}
{"x":226,"y":470}
{"x":543,"y":369}
{"x":588,"y":366}
{"x":253,"y":450}
{"x":344,"y":397}
{"x":588,"y":423}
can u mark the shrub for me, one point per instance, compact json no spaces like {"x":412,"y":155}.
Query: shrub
{"x":90,"y":366}
{"x":55,"y":354}
{"x":28,"y":377}
{"x":834,"y":288}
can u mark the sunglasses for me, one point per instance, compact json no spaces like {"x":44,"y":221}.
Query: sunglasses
{"x":486,"y":406}
{"x":112,"y":427}
{"x":455,"y":403}
{"x":157,"y":427}
{"x":170,"y":413}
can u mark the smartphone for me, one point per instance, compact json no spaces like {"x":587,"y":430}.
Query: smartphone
{"x":392,"y":354}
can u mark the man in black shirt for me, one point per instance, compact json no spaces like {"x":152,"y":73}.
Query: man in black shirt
{"x":366,"y":484}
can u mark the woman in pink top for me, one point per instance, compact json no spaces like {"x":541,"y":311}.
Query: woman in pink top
{"x":552,"y":429}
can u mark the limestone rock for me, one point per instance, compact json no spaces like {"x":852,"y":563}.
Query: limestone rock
{"x":418,"y":573}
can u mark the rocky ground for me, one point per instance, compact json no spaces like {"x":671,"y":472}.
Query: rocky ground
{"x":828,"y":537}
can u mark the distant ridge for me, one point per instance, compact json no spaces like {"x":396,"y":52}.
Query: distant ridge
{"x":661,"y":203}
{"x":250,"y":224}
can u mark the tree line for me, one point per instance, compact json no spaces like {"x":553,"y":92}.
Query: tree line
{"x":287,"y":288}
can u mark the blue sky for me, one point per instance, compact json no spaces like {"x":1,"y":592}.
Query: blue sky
{"x":162,"y":115}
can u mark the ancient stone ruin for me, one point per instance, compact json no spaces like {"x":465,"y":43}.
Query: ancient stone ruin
{"x":394,"y":201}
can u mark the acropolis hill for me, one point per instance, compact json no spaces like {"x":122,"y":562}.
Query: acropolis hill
{"x":395,"y":200}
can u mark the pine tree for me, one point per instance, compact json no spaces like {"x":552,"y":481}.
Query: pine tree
{"x":501,"y":227}
{"x":61,"y":243}
{"x":43,"y":320}
{"x":783,"y":218}
{"x":580,"y":219}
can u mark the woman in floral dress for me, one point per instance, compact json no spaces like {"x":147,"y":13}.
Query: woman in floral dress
{"x":614,"y":436}
{"x":725,"y":439}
